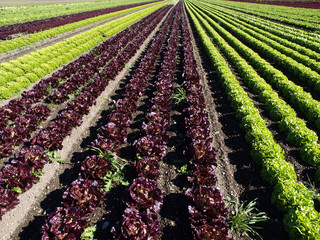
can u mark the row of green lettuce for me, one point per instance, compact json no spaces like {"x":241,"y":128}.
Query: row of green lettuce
{"x":301,"y":220}
{"x":15,"y":43}
{"x":301,"y":54}
{"x":298,"y":36}
{"x":297,"y":69}
{"x":20,"y":73}
{"x":295,"y":129}
{"x":292,"y":92}
{"x":304,"y":18}
{"x":11,"y":14}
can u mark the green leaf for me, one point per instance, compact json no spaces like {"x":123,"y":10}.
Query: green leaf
{"x":88,"y":233}
{"x":16,"y":189}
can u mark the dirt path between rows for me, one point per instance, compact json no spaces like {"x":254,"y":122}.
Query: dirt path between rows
{"x":14,"y":54}
{"x":30,"y":202}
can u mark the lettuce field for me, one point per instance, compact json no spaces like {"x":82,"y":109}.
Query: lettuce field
{"x":159,"y":120}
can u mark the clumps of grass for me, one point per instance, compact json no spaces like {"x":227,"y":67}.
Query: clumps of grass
{"x":179,"y":95}
{"x":245,"y":218}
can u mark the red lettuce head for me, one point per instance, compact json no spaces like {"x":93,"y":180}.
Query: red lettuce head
{"x":17,"y":175}
{"x":151,"y":146}
{"x":206,"y":201}
{"x":203,"y":175}
{"x":64,"y":223}
{"x":214,"y":229}
{"x":145,"y":194}
{"x":8,"y":200}
{"x":34,"y":156}
{"x":40,"y":111}
{"x":105,"y":145}
{"x":116,"y":133}
{"x":138,"y":225}
{"x":201,"y":152}
{"x":84,"y":194}
{"x":95,"y":168}
{"x":147,"y":167}
{"x":156,"y":129}
{"x":11,"y":111}
{"x":126,"y":106}
{"x":47,"y":139}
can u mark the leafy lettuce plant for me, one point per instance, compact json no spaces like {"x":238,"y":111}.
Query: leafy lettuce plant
{"x":34,"y":156}
{"x":147,"y":167}
{"x":11,"y":111}
{"x":203,"y":175}
{"x":19,"y":175}
{"x":47,"y":139}
{"x":137,"y":225}
{"x":156,"y":129}
{"x":145,"y":194}
{"x":206,"y":201}
{"x":83,"y":194}
{"x":116,"y":133}
{"x":213,"y":229}
{"x":103,"y":145}
{"x":8,"y":200}
{"x":40,"y":111}
{"x":64,"y":223}
{"x":202,"y":152}
{"x":151,"y":146}
{"x":95,"y":168}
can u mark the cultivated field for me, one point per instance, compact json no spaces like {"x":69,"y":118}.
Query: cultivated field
{"x":159,"y":120}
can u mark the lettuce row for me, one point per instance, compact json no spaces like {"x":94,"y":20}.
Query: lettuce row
{"x":25,"y":13}
{"x":299,"y":70}
{"x":7,"y":31}
{"x":38,"y":64}
{"x":277,"y":28}
{"x":294,"y":93}
{"x":141,"y":208}
{"x":96,"y":167}
{"x":307,"y":56}
{"x":19,"y":111}
{"x":293,"y":127}
{"x":290,"y":17}
{"x":35,"y":37}
{"x":262,"y":36}
{"x":301,"y":219}
{"x":206,"y":204}
{"x":19,"y":172}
